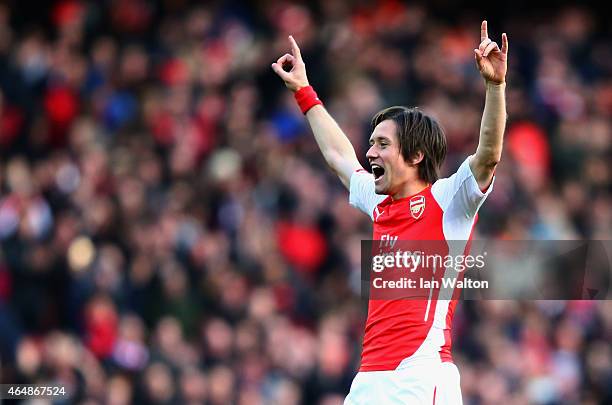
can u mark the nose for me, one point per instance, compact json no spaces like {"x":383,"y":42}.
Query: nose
{"x":372,"y":153}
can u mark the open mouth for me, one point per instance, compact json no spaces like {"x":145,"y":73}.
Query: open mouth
{"x":377,"y":171}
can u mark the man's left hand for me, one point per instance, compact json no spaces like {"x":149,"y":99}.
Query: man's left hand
{"x":491,"y":61}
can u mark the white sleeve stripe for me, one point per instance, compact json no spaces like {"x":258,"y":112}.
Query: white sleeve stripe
{"x":468,"y":214}
{"x":362,"y":194}
{"x":461,"y":189}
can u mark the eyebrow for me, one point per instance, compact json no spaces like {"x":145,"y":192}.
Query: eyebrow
{"x":379,"y":138}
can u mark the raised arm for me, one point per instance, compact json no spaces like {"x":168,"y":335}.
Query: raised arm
{"x":335,"y":146}
{"x":492,"y":63}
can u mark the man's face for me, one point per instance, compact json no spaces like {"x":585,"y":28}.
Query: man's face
{"x":389,"y":168}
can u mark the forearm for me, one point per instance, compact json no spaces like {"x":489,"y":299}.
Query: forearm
{"x":492,"y":127}
{"x":327,"y":133}
{"x":333,"y":143}
{"x":335,"y":146}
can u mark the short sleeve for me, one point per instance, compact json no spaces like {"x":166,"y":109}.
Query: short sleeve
{"x":362,"y":194}
{"x":461,"y":191}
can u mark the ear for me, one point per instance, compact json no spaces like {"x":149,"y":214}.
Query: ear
{"x":417,"y":158}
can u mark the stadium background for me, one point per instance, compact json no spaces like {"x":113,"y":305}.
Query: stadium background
{"x":170,"y":234}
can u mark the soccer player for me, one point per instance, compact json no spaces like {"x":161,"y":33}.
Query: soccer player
{"x":406,"y":357}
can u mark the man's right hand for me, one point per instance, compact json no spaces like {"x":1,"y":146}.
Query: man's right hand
{"x":295,"y":78}
{"x":335,"y":146}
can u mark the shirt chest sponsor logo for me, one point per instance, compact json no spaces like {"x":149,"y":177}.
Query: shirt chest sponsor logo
{"x":417,"y":206}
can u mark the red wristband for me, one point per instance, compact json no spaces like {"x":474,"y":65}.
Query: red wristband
{"x":307,"y":98}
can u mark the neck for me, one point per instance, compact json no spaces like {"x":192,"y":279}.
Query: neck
{"x":410,"y":188}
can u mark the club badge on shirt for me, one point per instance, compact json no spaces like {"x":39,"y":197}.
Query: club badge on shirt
{"x":417,"y":206}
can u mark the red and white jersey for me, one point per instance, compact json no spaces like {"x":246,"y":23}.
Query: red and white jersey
{"x":399,"y":333}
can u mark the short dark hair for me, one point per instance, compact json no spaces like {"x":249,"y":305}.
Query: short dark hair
{"x":417,"y":131}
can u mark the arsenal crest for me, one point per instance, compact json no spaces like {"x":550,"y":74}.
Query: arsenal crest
{"x":417,"y":206}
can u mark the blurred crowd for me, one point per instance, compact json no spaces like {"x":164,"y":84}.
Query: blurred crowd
{"x":170,"y":233}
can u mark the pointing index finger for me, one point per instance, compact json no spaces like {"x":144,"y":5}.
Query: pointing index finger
{"x":483,"y":31}
{"x":504,"y":43}
{"x":295,"y":49}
